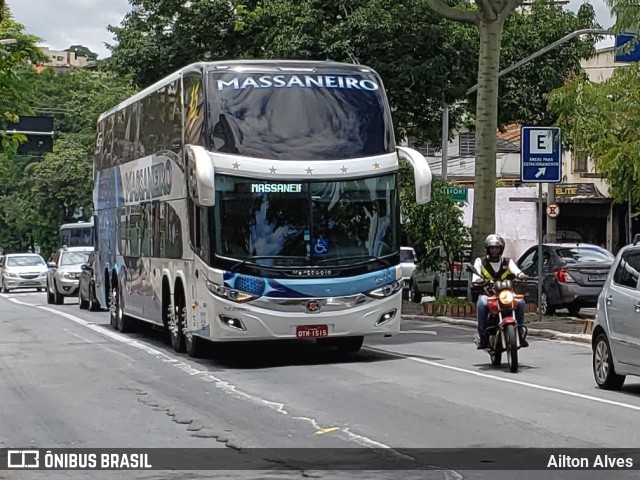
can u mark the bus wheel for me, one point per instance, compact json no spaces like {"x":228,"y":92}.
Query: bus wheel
{"x":177,"y":316}
{"x":194,"y":345}
{"x":113,"y":306}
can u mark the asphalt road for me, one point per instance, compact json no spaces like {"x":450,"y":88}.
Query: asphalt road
{"x":68,"y":380}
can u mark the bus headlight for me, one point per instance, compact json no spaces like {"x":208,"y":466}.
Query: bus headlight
{"x":386,"y":291}
{"x":229,"y":293}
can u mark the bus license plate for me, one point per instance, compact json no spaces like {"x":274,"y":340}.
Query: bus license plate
{"x":312,"y":331}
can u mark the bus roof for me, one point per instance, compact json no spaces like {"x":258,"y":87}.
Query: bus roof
{"x":281,"y":66}
{"x":77,"y":224}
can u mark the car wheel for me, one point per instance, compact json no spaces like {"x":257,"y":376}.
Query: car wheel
{"x":82,"y":303}
{"x":574,"y":310}
{"x":416,"y":296}
{"x":58,"y":298}
{"x":545,"y":308}
{"x":603,"y":369}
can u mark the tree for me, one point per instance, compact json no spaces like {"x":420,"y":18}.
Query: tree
{"x":82,"y":51}
{"x":522,"y":92}
{"x":40,"y":193}
{"x":489,"y":17}
{"x":599,"y":121}
{"x":156,"y":38}
{"x":438,"y":223}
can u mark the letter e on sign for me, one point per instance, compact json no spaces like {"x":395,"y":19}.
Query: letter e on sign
{"x":541,"y":141}
{"x":553,"y":210}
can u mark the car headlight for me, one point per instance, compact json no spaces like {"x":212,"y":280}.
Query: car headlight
{"x":229,"y":293}
{"x":68,"y":275}
{"x":387,"y":290}
{"x":506,"y":297}
{"x":10,"y":275}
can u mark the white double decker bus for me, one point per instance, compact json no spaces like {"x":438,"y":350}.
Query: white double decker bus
{"x":253,"y":200}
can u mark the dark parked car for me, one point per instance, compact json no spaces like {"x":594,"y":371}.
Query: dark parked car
{"x":87,"y":288}
{"x":573,"y":275}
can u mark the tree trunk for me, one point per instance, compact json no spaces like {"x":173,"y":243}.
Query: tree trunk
{"x":484,"y":222}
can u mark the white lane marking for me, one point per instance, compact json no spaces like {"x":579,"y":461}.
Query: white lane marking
{"x":510,"y":380}
{"x":204,"y":375}
{"x":84,"y":339}
{"x":426,"y":332}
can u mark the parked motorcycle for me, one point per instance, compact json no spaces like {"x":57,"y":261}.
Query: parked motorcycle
{"x":501,"y":333}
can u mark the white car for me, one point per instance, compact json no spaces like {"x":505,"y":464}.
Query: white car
{"x":63,"y":278}
{"x":616,"y":330}
{"x":408,"y":260}
{"x":23,"y":270}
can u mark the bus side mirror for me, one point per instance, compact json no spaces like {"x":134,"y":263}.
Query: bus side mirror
{"x":201,"y":176}
{"x":421,"y":173}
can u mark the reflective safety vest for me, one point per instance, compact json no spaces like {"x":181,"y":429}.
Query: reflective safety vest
{"x":502,"y":274}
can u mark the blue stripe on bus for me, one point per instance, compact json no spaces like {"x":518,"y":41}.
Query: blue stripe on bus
{"x":310,"y":287}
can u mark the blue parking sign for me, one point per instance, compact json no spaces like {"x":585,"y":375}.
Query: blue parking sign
{"x":540,"y":155}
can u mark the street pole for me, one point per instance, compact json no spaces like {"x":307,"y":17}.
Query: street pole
{"x":540,"y":279}
{"x":445,"y":140}
{"x":551,"y":222}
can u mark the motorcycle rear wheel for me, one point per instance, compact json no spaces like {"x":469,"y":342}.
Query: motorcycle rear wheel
{"x":512,"y":348}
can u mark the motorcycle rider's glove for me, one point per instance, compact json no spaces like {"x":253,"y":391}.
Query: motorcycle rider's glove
{"x":523,"y":276}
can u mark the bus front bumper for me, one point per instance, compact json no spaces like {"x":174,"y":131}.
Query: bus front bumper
{"x":238,"y":322}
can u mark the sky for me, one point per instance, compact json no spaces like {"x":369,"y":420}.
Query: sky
{"x":62,"y":23}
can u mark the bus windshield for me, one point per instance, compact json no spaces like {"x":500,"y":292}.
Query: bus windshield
{"x":305,"y":223}
{"x":335,"y":116}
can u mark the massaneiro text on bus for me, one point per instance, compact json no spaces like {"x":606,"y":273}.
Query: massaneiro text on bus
{"x":253,"y":200}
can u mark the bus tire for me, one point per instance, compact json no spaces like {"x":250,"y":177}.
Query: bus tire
{"x":194,"y":345}
{"x":176,"y":320}
{"x":123,"y":321}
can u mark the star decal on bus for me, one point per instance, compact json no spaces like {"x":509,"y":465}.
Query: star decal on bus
{"x":376,"y":165}
{"x":272,"y":169}
{"x":309,"y":171}
{"x":236,"y":165}
{"x":344,"y":169}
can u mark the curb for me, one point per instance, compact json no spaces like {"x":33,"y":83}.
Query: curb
{"x":534,"y":332}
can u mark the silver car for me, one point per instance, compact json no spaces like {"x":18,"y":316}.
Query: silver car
{"x":63,"y":279}
{"x":616,"y":330}
{"x":23,"y":270}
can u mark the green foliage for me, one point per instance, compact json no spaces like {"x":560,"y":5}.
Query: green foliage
{"x":522,"y":92}
{"x":438,"y":223}
{"x":82,"y":51}
{"x":454,"y":301}
{"x":600,"y":121}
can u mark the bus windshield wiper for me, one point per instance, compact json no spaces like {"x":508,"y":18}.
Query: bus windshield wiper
{"x":364,"y":258}
{"x":252,"y":260}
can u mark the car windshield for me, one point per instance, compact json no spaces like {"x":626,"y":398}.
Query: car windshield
{"x":25,"y":261}
{"x":74,"y":258}
{"x":585,"y":255}
{"x":407,"y":256}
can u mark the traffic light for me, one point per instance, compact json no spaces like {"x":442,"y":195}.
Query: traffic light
{"x":39,"y":133}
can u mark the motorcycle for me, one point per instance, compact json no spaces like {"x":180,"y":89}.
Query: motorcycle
{"x":501,"y":334}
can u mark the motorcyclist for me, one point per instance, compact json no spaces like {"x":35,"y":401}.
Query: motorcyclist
{"x":494,"y":267}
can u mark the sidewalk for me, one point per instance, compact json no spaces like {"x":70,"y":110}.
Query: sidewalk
{"x":558,"y":328}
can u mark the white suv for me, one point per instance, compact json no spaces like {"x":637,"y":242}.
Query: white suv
{"x":616,"y":331}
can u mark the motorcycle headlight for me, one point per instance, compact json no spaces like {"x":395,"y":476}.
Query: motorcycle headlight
{"x":506,"y":297}
{"x":229,"y":293}
{"x":386,"y":291}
